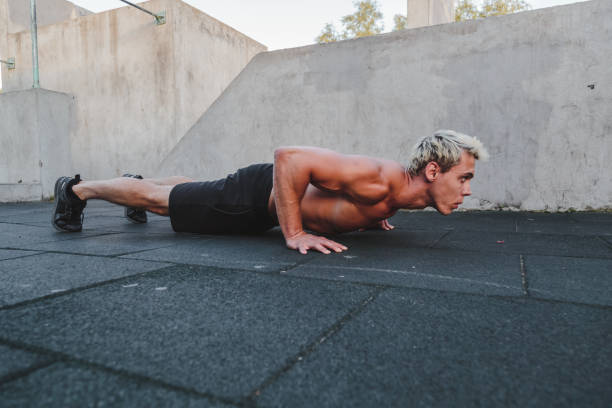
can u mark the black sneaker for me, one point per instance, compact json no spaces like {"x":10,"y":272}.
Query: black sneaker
{"x":68,"y":215}
{"x":135,"y":215}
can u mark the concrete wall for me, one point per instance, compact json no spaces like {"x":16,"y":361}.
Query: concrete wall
{"x":47,"y":12}
{"x":422,"y":13}
{"x":139,"y":86}
{"x":535,"y":87}
{"x":35,"y":130}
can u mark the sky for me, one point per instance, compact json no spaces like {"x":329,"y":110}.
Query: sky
{"x":287,"y":23}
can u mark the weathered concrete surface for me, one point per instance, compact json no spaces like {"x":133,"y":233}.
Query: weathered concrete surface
{"x":421,"y":13}
{"x":535,"y":87}
{"x":35,"y":130}
{"x":47,"y":12}
{"x":139,"y":86}
{"x":139,"y":316}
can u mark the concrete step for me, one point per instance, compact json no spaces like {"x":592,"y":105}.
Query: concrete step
{"x":17,"y":192}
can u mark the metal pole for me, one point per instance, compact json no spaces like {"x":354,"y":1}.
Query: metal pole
{"x":159,"y":18}
{"x":34,"y":34}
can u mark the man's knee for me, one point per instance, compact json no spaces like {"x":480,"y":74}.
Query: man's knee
{"x":157,"y":198}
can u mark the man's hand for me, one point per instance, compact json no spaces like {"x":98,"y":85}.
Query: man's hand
{"x":383,"y":225}
{"x":304,"y":241}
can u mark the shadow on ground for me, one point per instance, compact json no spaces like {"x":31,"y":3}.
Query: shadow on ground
{"x":473,"y":309}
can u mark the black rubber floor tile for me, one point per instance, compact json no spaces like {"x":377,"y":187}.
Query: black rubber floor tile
{"x":525,"y":243}
{"x":14,"y":209}
{"x":68,"y":385}
{"x":215,"y":331}
{"x":23,"y":236}
{"x":380,"y":240}
{"x":114,"y":244}
{"x":13,"y":253}
{"x":604,"y":218}
{"x":462,"y":221}
{"x":561,"y":224}
{"x":574,"y":279}
{"x":430,"y":349}
{"x":421,"y":268}
{"x":266,"y":252}
{"x":45,"y":274}
{"x":14,"y":362}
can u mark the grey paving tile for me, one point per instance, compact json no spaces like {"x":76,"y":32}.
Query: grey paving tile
{"x":420,"y":348}
{"x":421,"y":268}
{"x":265,"y":252}
{"x":462,"y":220}
{"x":382,"y":240}
{"x":23,"y":236}
{"x":41,"y":275}
{"x":68,"y":385}
{"x":574,"y":279}
{"x":12,"y":253}
{"x":564,"y":223}
{"x":115,"y":243}
{"x":13,"y":209}
{"x":216,"y":331}
{"x":600,"y":217}
{"x":526,"y":243}
{"x":13,"y":361}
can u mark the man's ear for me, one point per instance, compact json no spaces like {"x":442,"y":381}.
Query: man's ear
{"x":432,"y":171}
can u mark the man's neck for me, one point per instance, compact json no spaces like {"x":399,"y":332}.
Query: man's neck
{"x":413,"y":193}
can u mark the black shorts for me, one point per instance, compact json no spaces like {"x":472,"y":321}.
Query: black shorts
{"x":237,"y":204}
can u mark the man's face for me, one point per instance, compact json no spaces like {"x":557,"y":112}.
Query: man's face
{"x":449,"y":189}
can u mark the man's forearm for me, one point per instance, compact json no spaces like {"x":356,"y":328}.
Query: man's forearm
{"x":290,"y":183}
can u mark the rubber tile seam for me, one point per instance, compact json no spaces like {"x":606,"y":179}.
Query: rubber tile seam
{"x":524,"y":281}
{"x":440,"y":239}
{"x":67,"y":358}
{"x":509,"y":298}
{"x":310,"y":348}
{"x":80,"y":289}
{"x":23,"y":256}
{"x":16,"y":375}
{"x":605,"y":241}
{"x":420,"y":274}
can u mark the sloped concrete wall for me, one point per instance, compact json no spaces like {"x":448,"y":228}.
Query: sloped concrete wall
{"x":139,"y":87}
{"x":47,"y":12}
{"x":535,"y":87}
{"x":35,"y":130}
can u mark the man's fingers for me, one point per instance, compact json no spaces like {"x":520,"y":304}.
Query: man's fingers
{"x":335,"y":246}
{"x":321,"y":248}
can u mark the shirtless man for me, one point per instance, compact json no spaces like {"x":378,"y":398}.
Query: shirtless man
{"x":306,"y":189}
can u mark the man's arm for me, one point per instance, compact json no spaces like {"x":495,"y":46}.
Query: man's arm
{"x":295,"y":167}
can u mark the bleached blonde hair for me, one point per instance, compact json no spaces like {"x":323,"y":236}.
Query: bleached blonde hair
{"x":444,"y":147}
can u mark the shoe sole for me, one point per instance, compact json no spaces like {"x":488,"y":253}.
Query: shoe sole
{"x":57,"y":183}
{"x":130,"y":219}
{"x":56,"y":191}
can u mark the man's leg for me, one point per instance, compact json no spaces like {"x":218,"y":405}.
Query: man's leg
{"x":169,"y":181}
{"x":128,"y":192}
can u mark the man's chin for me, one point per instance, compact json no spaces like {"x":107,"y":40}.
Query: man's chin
{"x":444,"y":211}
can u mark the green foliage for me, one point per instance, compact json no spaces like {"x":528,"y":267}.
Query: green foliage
{"x":400,"y":22}
{"x":363,"y":22}
{"x":366,"y":19}
{"x":467,"y":10}
{"x":328,"y":34}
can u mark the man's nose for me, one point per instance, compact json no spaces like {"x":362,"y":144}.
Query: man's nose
{"x":467,"y":190}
